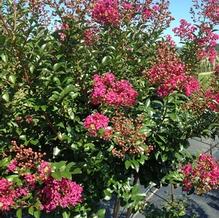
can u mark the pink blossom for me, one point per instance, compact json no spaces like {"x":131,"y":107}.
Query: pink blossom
{"x":212,"y":98}
{"x":185,"y":30}
{"x":4,"y":184}
{"x":30,"y":179}
{"x":171,"y":76}
{"x":162,"y":72}
{"x":106,"y":12}
{"x":212,"y":10}
{"x":108,"y":131}
{"x":187,"y":169}
{"x":12,"y":166}
{"x":127,"y":6}
{"x":44,"y":170}
{"x":170,"y":40}
{"x":95,"y":122}
{"x":207,"y":43}
{"x":203,"y":175}
{"x":108,"y":78}
{"x":146,"y":13}
{"x":7,"y":195}
{"x":156,"y":8}
{"x":191,"y":85}
{"x":108,"y":90}
{"x":187,"y":184}
{"x":63,"y":193}
{"x":62,"y":29}
{"x":170,"y":85}
{"x":21,"y":191}
{"x":90,"y":36}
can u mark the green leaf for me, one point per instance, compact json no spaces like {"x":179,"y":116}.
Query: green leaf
{"x":147,"y":104}
{"x":57,"y":66}
{"x":65,"y":214}
{"x":101,"y":213}
{"x":36,"y":214}
{"x":57,"y":175}
{"x":66,"y":91}
{"x":31,"y":210}
{"x":4,"y":162}
{"x":145,"y":130}
{"x":5,"y":96}
{"x":108,"y":194}
{"x":58,"y":165}
{"x":76,"y":171}
{"x":19,"y":213}
{"x":32,"y":67}
{"x":135,"y":165}
{"x":14,"y":178}
{"x":12,"y":79}
{"x":164,"y":157}
{"x":44,"y":107}
{"x":127,"y":164}
{"x":34,"y":142}
{"x":106,"y":59}
{"x":4,"y":58}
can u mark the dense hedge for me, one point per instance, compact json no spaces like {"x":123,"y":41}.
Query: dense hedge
{"x":95,"y":100}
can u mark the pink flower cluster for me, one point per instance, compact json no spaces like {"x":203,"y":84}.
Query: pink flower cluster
{"x":185,"y":30}
{"x":171,"y":76}
{"x":203,"y":176}
{"x":54,"y":193}
{"x":204,"y":37}
{"x":9,"y":194}
{"x":190,"y":85}
{"x":128,"y":11}
{"x":108,"y":90}
{"x":212,"y":98}
{"x":12,"y":166}
{"x":127,"y":6}
{"x":44,"y":170}
{"x":170,"y":41}
{"x":207,"y":43}
{"x":106,"y":12}
{"x":93,"y":123}
{"x":90,"y":36}
{"x":148,"y":11}
{"x":36,"y":179}
{"x":114,"y":12}
{"x":30,"y":179}
{"x":60,"y":193}
{"x":62,"y":29}
{"x":212,"y":10}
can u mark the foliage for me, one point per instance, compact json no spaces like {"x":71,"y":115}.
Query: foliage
{"x":84,"y":85}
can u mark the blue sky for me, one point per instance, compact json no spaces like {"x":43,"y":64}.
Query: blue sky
{"x":179,"y":9}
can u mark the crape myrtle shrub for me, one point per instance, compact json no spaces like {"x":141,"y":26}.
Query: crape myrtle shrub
{"x":95,"y":99}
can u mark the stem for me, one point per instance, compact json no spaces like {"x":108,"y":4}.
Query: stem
{"x":129,"y":210}
{"x":136,"y":177}
{"x":172,"y":192}
{"x":116,"y":208}
{"x":50,"y":123}
{"x":128,"y":213}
